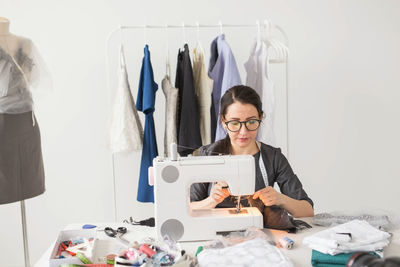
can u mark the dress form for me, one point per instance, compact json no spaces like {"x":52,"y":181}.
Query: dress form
{"x":10,"y":43}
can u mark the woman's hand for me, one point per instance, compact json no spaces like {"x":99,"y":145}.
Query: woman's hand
{"x":219,"y":192}
{"x":269,"y":196}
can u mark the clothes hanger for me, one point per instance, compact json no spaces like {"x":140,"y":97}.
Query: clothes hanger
{"x":199,"y":47}
{"x":183,"y":35}
{"x":258,"y":41}
{"x":121,"y":47}
{"x":145,"y":34}
{"x":220,"y":28}
{"x":281,"y":51}
{"x":167,"y":63}
{"x":269,"y":40}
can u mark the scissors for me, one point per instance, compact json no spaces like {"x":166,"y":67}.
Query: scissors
{"x":113,"y":233}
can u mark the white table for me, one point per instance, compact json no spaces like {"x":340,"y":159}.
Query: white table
{"x":300,"y":254}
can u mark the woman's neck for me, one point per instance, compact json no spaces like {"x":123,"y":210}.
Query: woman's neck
{"x":250,"y":150}
{"x":4,"y":26}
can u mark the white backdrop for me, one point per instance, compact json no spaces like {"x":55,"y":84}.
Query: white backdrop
{"x":343,"y":104}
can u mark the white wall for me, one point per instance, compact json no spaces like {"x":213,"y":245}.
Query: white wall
{"x":343,"y":104}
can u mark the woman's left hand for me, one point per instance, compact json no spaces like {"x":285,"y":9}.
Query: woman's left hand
{"x":269,"y":196}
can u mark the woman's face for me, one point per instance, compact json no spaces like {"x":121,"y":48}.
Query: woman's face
{"x":241,"y":112}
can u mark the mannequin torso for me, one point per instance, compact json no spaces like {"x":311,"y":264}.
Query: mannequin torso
{"x":8,"y":41}
{"x":17,"y":64}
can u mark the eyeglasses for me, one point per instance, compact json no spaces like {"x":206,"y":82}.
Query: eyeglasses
{"x":235,"y":126}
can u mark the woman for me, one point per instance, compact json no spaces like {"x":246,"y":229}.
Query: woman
{"x":241,"y":114}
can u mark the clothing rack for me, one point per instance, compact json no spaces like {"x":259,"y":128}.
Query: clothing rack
{"x":266,"y":25}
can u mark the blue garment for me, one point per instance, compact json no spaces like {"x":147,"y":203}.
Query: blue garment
{"x":146,"y":99}
{"x":223,"y":70}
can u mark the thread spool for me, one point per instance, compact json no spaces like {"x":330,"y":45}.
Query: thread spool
{"x":174,"y":152}
{"x":286,"y":242}
{"x":110,"y":259}
{"x":147,"y":250}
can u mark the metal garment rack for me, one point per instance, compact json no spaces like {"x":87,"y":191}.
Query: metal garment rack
{"x":197,"y":26}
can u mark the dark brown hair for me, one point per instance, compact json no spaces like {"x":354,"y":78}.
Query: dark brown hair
{"x":244,"y":95}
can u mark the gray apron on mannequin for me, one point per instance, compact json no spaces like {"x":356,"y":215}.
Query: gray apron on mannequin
{"x":21,"y":163}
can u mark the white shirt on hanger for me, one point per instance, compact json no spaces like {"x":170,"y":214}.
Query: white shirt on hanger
{"x":258,"y":79}
{"x":203,"y":87}
{"x":126,"y":128}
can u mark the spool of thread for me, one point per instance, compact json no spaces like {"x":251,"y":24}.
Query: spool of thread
{"x":147,"y":250}
{"x":174,"y":152}
{"x":110,"y":259}
{"x":286,"y":242}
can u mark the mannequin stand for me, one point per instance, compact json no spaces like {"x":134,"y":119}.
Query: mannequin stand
{"x":24,"y":234}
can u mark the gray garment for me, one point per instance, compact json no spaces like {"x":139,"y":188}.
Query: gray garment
{"x":225,"y":74}
{"x":171,"y":99}
{"x":21,"y":163}
{"x":328,"y":219}
{"x":15,"y":96}
{"x":276,"y":165}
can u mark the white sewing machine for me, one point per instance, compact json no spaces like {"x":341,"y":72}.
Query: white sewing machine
{"x":172,"y":181}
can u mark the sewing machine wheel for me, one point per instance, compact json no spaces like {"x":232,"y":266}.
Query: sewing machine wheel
{"x":173,"y":228}
{"x":170,"y":174}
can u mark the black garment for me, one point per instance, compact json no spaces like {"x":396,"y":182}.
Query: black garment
{"x":188,"y":127}
{"x":276,"y":165}
{"x":213,"y":60}
{"x":213,"y":121}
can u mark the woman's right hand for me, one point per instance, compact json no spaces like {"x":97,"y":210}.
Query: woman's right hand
{"x":219,"y":192}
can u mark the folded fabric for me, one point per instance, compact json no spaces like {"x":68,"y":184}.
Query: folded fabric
{"x":319,"y":259}
{"x":373,"y":247}
{"x":255,"y":252}
{"x":364,"y":237}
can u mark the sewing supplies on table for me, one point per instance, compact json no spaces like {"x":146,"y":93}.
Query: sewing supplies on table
{"x":69,"y":248}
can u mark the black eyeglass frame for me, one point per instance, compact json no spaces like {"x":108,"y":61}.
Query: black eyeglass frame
{"x":243,"y":122}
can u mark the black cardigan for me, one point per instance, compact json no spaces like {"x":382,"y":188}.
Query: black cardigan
{"x":278,"y":171}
